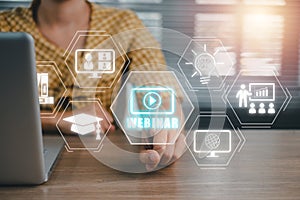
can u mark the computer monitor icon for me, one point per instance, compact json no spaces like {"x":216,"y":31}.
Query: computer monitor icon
{"x":95,"y":62}
{"x":208,"y":143}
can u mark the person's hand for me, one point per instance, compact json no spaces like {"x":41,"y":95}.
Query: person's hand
{"x":164,"y":154}
{"x":92,"y":109}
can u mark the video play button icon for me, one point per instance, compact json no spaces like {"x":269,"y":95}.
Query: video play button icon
{"x":152,"y":100}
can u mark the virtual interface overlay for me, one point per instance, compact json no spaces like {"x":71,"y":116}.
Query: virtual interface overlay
{"x":262,"y":91}
{"x":212,"y":142}
{"x":95,"y":61}
{"x":152,"y":101}
{"x":155,"y":107}
{"x":152,"y":108}
{"x":257,"y":101}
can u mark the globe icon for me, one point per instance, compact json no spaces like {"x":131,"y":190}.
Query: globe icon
{"x":212,"y":141}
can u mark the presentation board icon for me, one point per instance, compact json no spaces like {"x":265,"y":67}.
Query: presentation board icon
{"x":84,"y":124}
{"x":152,"y":101}
{"x":262,"y":91}
{"x":257,"y":97}
{"x":212,"y":142}
{"x":95,"y":62}
{"x":43,"y":86}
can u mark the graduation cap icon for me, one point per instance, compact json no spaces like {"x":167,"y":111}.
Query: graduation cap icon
{"x":84,"y":124}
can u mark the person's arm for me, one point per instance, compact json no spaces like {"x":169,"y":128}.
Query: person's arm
{"x":145,"y":54}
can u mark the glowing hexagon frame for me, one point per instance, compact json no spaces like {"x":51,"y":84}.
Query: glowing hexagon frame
{"x":287,"y":98}
{"x":238,"y":148}
{"x":192,"y":62}
{"x":123,"y":87}
{"x":67,"y":146}
{"x":94,"y":33}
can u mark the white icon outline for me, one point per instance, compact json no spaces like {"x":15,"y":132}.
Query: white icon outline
{"x":197,"y":68}
{"x":67,"y":146}
{"x":252,"y":109}
{"x":283,"y":106}
{"x":95,"y":73}
{"x":211,"y":151}
{"x":59,"y":103}
{"x":205,"y":80}
{"x":243,"y":95}
{"x":265,"y":84}
{"x":121,"y":53}
{"x":271,"y":109}
{"x":262,"y":109}
{"x":236,"y":147}
{"x":83,"y":128}
{"x":43,"y":85}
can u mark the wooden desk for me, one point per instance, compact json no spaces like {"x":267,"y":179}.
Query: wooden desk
{"x":268,"y":167}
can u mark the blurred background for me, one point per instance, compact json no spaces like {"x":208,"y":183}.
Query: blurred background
{"x":258,"y":33}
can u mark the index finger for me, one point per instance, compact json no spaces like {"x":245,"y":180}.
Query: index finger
{"x":159,"y":141}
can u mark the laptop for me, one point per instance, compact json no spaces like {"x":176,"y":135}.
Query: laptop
{"x":26,"y":156}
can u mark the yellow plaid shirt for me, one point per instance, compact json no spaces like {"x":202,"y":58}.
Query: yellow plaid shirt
{"x":111,"y":20}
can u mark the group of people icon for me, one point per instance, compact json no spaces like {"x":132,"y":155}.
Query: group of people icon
{"x":262,"y":109}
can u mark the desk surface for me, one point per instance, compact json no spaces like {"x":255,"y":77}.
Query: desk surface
{"x":268,"y":167}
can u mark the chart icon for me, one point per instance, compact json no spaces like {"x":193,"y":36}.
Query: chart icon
{"x":262,"y":91}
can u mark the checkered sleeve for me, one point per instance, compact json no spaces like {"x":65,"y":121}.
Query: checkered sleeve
{"x":3,"y":25}
{"x":144,"y":50}
{"x":141,"y":47}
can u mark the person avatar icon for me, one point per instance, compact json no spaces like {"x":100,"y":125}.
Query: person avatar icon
{"x":262,"y":109}
{"x":104,"y":57}
{"x":88,"y":64}
{"x":104,"y":66}
{"x":252,"y":109}
{"x":271,"y":109}
{"x":243,"y":95}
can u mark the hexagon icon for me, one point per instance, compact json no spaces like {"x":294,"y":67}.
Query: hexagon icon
{"x":256,"y":101}
{"x":49,"y":80}
{"x":213,"y":141}
{"x":151,"y":103}
{"x":81,"y":128}
{"x":206,"y":63}
{"x":99,"y":64}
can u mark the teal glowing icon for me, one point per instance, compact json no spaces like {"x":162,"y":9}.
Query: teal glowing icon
{"x":152,"y":101}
